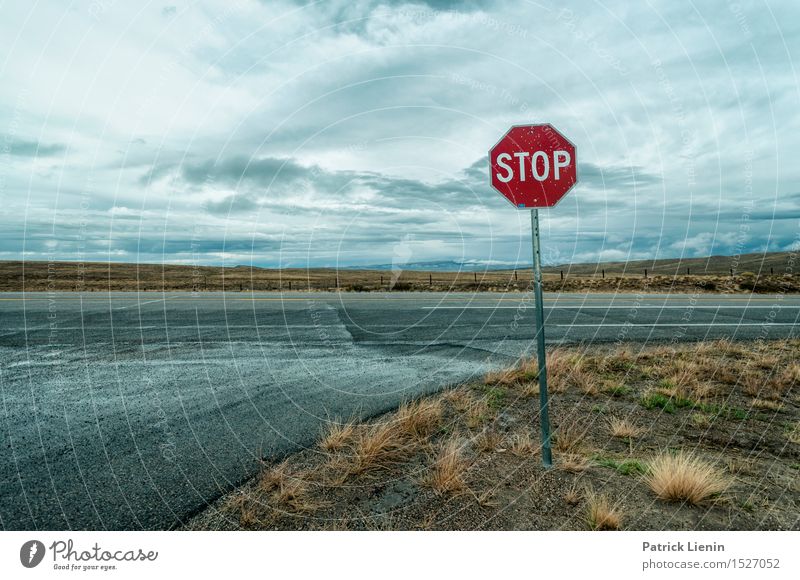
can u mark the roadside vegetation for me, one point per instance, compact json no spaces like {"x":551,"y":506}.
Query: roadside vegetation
{"x":771,"y":273}
{"x":695,"y":436}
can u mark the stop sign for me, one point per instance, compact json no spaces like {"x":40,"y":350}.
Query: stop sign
{"x":533,"y":166}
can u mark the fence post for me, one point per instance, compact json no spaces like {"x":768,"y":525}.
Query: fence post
{"x":430,"y":279}
{"x":475,"y":275}
{"x":515,"y":275}
{"x":645,"y":272}
{"x":381,"y":281}
{"x":604,"y":272}
{"x":562,"y":274}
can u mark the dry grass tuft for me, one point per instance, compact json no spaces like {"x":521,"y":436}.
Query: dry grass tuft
{"x":293,"y":494}
{"x":621,"y":361}
{"x":794,"y":434}
{"x":487,"y":499}
{"x":726,"y":347}
{"x":477,"y":413}
{"x":337,"y":436}
{"x":700,"y":420}
{"x":662,"y":352}
{"x":623,"y":428}
{"x":448,"y":469}
{"x":753,"y":384}
{"x":766,"y":404}
{"x":586,"y":381}
{"x":488,"y":441}
{"x":377,"y":446}
{"x":560,"y":366}
{"x":573,"y":463}
{"x":573,"y":495}
{"x":789,"y":377}
{"x":522,"y":445}
{"x":289,"y":490}
{"x":685,"y":477}
{"x":460,"y":399}
{"x":247,"y":508}
{"x":600,"y":514}
{"x":685,"y":382}
{"x":769,"y":362}
{"x":569,"y":437}
{"x":420,"y":419}
{"x":525,"y":370}
{"x":529,"y":390}
{"x":275,"y":476}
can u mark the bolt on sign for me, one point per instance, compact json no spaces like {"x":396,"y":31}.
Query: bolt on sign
{"x":535,"y":166}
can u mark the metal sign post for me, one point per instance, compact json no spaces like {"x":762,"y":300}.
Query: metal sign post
{"x":544,"y":407}
{"x":535,"y":166}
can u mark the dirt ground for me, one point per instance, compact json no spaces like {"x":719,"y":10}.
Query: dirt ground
{"x":469,"y":457}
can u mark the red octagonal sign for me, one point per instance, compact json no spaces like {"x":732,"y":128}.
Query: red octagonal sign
{"x":533,"y":166}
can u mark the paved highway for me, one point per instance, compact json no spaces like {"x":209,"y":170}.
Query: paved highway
{"x":130,"y":411}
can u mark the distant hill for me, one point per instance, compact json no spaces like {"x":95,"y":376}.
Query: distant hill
{"x":670,"y":275}
{"x":443,"y":266}
{"x":775,"y":262}
{"x":780,"y":262}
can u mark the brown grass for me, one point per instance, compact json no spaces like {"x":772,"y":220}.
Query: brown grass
{"x":572,"y":463}
{"x":488,"y":441}
{"x":523,"y":445}
{"x":794,"y":434}
{"x":560,"y":366}
{"x":459,"y":399}
{"x":700,"y":420}
{"x":754,"y":385}
{"x":529,"y":389}
{"x":293,"y":494}
{"x":685,"y":477}
{"x":247,"y":508}
{"x":569,"y":437}
{"x":477,"y":413}
{"x":618,"y":361}
{"x":377,"y":446}
{"x":766,"y":404}
{"x":789,"y":377}
{"x":600,"y":513}
{"x":585,"y":380}
{"x":573,"y":495}
{"x":446,"y":475}
{"x":685,"y":381}
{"x":420,"y":419}
{"x":623,"y":428}
{"x":526,"y":370}
{"x":337,"y":436}
{"x":769,"y":362}
{"x":274,"y":476}
{"x":288,"y":490}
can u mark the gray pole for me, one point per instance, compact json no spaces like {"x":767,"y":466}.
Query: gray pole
{"x":544,"y":417}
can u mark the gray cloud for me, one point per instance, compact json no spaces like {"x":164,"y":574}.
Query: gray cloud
{"x":24,"y":148}
{"x":335,"y":132}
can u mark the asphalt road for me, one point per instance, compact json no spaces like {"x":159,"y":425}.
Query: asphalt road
{"x":130,"y":411}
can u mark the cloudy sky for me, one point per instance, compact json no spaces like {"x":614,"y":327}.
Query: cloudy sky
{"x":356,"y":132}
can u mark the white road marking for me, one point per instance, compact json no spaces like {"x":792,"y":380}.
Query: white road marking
{"x":628,"y":307}
{"x":679,"y":324}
